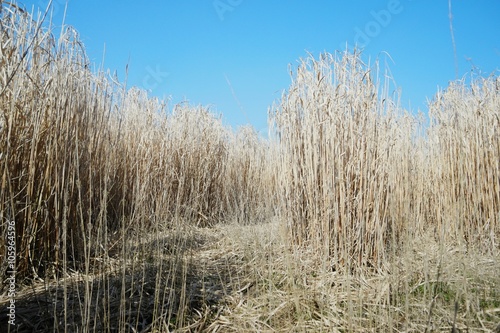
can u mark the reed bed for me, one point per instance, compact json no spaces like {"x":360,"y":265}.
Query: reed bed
{"x":465,"y":147}
{"x":135,"y":216}
{"x":345,"y":161}
{"x":357,"y":177}
{"x":101,"y":180}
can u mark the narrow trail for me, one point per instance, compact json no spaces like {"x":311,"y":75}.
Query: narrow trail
{"x":192,"y":273}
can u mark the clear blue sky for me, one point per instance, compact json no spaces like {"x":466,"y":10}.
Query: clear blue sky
{"x":191,"y":49}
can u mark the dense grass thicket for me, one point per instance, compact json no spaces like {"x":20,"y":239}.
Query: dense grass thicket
{"x":134,"y":216}
{"x":464,"y":150}
{"x":80,"y":155}
{"x":357,"y":178}
{"x":346,"y":161}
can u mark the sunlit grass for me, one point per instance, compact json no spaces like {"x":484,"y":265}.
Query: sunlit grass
{"x":134,"y":216}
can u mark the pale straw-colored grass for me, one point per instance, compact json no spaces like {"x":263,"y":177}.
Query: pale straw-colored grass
{"x":345,"y":161}
{"x":132,"y":215}
{"x":106,"y":186}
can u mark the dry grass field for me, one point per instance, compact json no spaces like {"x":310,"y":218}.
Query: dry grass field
{"x":131,"y":216}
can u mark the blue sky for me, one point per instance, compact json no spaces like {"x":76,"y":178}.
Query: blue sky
{"x":233,"y":55}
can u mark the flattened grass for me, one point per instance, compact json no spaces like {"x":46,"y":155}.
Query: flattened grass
{"x":134,"y":217}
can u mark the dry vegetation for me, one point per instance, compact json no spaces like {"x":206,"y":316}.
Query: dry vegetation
{"x":134,"y":218}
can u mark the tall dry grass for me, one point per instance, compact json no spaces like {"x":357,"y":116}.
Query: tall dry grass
{"x":54,"y":120}
{"x":103,"y":182}
{"x":78,"y":152}
{"x":356,"y":175}
{"x":345,"y":161}
{"x":465,"y":143}
{"x":369,"y":235}
{"x":118,"y":201}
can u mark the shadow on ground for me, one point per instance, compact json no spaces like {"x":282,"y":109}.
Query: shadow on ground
{"x":166,"y":283}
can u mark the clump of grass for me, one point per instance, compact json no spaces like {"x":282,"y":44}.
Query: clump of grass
{"x":344,"y":162}
{"x":465,"y":137}
{"x":250,"y":177}
{"x":90,"y":169}
{"x":354,"y":173}
{"x":79,"y":153}
{"x":55,"y":116}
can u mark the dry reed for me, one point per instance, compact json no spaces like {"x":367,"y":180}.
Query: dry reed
{"x":345,"y":160}
{"x":89,"y":170}
{"x":347,"y":218}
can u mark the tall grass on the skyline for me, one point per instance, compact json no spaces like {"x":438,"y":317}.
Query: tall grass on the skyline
{"x":345,"y":161}
{"x":464,"y":163}
{"x":90,"y":171}
{"x":79,"y":153}
{"x":355,"y":175}
{"x":133,"y":216}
